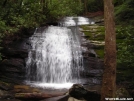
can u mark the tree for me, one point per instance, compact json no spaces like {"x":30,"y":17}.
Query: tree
{"x":85,"y":6}
{"x":109,"y":75}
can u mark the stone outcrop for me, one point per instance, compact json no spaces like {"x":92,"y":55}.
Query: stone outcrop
{"x":93,"y":66}
{"x":12,"y":69}
{"x":14,"y":54}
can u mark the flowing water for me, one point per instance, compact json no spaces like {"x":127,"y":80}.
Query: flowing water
{"x":55,"y":57}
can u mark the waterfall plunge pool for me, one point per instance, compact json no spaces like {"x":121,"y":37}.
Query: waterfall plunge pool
{"x":50,"y":85}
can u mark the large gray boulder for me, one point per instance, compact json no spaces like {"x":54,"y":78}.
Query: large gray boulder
{"x":77,"y":91}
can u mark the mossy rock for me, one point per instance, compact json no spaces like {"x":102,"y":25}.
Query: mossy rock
{"x":96,"y":35}
{"x":94,"y":32}
{"x":100,"y":53}
{"x":122,"y":93}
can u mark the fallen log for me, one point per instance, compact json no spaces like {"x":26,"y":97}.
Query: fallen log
{"x":36,"y":95}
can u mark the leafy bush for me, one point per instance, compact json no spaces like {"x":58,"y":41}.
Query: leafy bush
{"x":126,"y":47}
{"x":125,"y":55}
{"x":32,"y":13}
{"x":119,"y":2}
{"x":124,"y":10}
{"x":58,"y":9}
{"x":24,"y":14}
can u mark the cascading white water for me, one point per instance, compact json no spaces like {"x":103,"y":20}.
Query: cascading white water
{"x":55,"y":56}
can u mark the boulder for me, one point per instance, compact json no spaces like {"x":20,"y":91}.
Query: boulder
{"x":122,"y":93}
{"x":77,"y":91}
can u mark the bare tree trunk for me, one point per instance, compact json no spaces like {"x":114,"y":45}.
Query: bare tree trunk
{"x":85,"y":6}
{"x":109,"y":76}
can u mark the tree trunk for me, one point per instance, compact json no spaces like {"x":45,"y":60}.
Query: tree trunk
{"x":85,"y":6}
{"x":109,"y":76}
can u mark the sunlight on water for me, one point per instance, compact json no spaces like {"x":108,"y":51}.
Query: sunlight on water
{"x":51,"y":85}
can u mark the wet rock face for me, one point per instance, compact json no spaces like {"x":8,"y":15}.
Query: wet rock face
{"x":13,"y":62}
{"x":13,"y":69}
{"x":15,"y":52}
{"x":93,"y":66}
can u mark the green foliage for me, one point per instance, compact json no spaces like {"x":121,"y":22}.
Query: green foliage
{"x":96,"y":35}
{"x":58,"y":9}
{"x":126,"y":47}
{"x":32,"y":13}
{"x":124,"y":11}
{"x":100,"y":52}
{"x":119,"y":2}
{"x":125,"y":54}
{"x":24,"y":14}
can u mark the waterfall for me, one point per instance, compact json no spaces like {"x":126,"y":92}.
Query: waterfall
{"x":55,"y":55}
